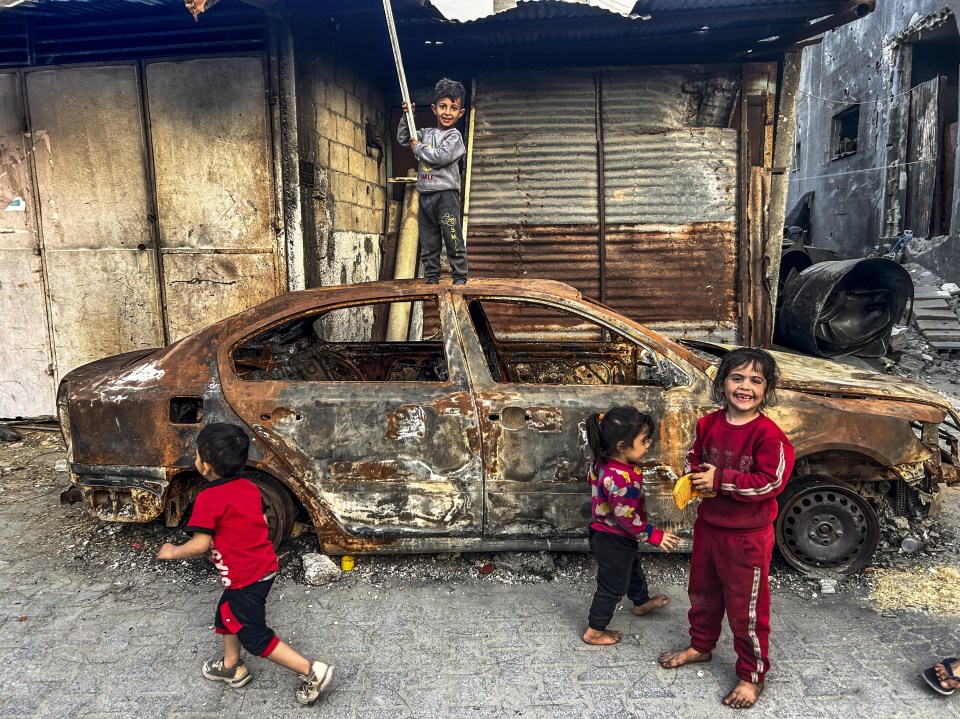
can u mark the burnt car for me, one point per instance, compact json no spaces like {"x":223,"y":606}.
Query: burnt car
{"x":407,"y":417}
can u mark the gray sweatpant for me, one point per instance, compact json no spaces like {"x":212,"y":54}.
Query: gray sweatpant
{"x":439,"y":221}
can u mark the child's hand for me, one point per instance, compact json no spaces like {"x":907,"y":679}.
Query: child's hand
{"x":166,"y":551}
{"x":669,"y":541}
{"x":703,"y":480}
{"x":413,"y":107}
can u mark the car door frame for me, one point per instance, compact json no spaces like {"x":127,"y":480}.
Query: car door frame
{"x":554,"y":500}
{"x":391,"y":490}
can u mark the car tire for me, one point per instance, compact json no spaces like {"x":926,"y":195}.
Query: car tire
{"x":825,"y":525}
{"x":280,"y":509}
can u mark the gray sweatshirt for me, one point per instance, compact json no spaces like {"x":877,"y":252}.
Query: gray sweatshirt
{"x":437,"y":153}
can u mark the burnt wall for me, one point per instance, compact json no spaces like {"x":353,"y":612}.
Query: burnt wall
{"x":869,"y":190}
{"x":342,"y":133}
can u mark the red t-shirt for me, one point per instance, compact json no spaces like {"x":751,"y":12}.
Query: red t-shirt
{"x":753,"y":461}
{"x":231,"y":510}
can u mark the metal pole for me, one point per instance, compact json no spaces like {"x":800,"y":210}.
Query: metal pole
{"x":404,"y":92}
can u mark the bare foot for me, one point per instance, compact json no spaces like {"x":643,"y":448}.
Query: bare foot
{"x":744,"y":695}
{"x":660,"y":600}
{"x":672,"y":660}
{"x":602,"y":637}
{"x":942,"y":675}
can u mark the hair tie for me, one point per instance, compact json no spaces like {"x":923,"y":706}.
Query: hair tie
{"x":600,"y":417}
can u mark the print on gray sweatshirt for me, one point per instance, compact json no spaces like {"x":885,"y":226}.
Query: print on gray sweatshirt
{"x":437,"y":153}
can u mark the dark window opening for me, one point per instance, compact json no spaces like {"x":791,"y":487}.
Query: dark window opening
{"x":340,"y":345}
{"x":846,"y":131}
{"x":530,"y":343}
{"x":186,"y":410}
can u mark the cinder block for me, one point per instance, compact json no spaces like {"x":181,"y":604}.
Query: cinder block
{"x":339,"y":157}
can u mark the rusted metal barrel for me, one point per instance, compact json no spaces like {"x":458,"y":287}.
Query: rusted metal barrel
{"x":843,"y":307}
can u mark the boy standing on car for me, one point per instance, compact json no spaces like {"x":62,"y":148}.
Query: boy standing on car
{"x":228,"y":521}
{"x":438,"y":151}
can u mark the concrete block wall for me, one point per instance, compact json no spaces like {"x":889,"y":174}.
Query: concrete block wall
{"x":345,"y":210}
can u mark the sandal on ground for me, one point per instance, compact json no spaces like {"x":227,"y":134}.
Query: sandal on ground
{"x":931,"y":678}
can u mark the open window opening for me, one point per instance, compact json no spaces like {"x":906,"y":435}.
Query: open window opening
{"x":531,"y":343}
{"x":846,"y":131}
{"x":341,"y":345}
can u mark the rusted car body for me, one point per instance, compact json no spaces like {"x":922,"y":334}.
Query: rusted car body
{"x":467,"y":433}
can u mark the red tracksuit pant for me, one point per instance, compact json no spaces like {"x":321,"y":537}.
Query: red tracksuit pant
{"x":728,"y":573}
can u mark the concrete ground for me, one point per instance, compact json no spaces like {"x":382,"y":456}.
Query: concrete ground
{"x":91,"y":627}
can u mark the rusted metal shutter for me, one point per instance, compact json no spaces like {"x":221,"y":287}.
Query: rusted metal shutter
{"x":533,"y":193}
{"x":668,"y":251}
{"x":670,"y":171}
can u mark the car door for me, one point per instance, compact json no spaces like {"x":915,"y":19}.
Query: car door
{"x":539,"y":369}
{"x":382,"y":433}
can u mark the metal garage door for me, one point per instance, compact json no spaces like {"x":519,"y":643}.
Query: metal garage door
{"x":621,"y":183}
{"x":156,"y":211}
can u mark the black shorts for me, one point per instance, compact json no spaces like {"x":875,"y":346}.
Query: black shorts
{"x":244,"y":612}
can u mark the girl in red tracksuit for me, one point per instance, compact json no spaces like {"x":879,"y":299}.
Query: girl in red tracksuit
{"x":740,"y":460}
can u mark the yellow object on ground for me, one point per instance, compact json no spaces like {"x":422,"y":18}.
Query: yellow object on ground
{"x":346,"y":562}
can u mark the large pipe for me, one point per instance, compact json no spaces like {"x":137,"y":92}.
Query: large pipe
{"x":406,"y":265}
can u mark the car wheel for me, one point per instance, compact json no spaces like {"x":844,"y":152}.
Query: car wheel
{"x":825,"y":525}
{"x":280,"y":508}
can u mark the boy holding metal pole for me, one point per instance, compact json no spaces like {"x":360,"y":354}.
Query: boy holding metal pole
{"x":438,"y":151}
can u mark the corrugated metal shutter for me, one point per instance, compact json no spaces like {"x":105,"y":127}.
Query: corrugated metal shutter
{"x":670,"y":171}
{"x":670,"y":177}
{"x":533,"y":193}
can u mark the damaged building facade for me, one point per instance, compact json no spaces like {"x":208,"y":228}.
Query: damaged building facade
{"x":876,"y":141}
{"x":159,"y":173}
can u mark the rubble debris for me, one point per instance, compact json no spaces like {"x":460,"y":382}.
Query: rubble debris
{"x":828,"y":586}
{"x":319,"y":570}
{"x":918,"y":589}
{"x":9,"y":435}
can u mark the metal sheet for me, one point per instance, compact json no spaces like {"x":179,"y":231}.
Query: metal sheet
{"x":564,"y":253}
{"x":102,"y":302}
{"x":534,"y":158}
{"x":90,"y":174}
{"x":214,"y":180}
{"x":201,"y":287}
{"x":671,"y":178}
{"x":669,"y":98}
{"x":26,"y":390}
{"x":668,"y":274}
{"x":670,"y":175}
{"x":922,"y":154}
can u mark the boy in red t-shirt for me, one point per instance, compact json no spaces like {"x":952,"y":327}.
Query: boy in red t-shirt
{"x":228,"y":521}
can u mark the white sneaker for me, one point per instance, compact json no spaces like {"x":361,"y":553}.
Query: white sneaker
{"x":236,"y":677}
{"x":313,"y":685}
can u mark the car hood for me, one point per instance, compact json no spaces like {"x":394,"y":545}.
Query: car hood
{"x":804,"y":373}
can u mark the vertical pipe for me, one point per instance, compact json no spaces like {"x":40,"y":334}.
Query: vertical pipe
{"x":471,"y":124}
{"x":601,"y":189}
{"x":398,"y":323}
{"x":398,"y":60}
{"x":286,"y":159}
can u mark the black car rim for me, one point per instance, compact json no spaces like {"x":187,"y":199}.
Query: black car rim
{"x":828,"y":526}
